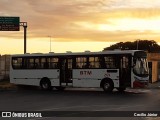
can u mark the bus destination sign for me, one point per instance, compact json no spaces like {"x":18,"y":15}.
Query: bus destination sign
{"x":9,"y":23}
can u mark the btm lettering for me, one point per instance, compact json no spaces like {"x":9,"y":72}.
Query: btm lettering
{"x":85,"y":72}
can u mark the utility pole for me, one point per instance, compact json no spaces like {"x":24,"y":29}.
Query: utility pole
{"x":24,"y":24}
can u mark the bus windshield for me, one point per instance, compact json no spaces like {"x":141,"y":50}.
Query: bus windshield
{"x":140,"y":67}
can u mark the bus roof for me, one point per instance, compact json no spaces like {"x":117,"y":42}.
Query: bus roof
{"x":78,"y":53}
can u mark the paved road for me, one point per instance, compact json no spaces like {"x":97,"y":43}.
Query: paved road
{"x":81,"y":100}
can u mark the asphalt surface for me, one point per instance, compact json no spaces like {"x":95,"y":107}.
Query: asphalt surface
{"x":85,"y":100}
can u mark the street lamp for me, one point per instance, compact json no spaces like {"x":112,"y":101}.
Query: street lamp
{"x":50,"y":43}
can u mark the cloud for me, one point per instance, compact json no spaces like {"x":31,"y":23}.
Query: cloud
{"x":80,"y":20}
{"x":109,"y":36}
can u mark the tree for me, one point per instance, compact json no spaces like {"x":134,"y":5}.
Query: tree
{"x":147,"y":45}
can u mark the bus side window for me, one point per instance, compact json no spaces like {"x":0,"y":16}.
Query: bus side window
{"x":124,"y":62}
{"x":17,"y":63}
{"x":53,"y":63}
{"x":94,"y":62}
{"x":70,"y":62}
{"x":81,"y":62}
{"x":31,"y":63}
{"x":84,"y":65}
{"x":43,"y":63}
{"x":37,"y":63}
{"x":110,"y":62}
{"x":77,"y":66}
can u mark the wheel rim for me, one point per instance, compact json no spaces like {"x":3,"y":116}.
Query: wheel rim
{"x":106,"y":86}
{"x":45,"y":85}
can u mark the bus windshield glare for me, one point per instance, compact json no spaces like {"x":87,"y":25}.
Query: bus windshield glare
{"x":140,"y":67}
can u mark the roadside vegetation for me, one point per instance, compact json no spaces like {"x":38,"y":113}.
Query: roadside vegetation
{"x":150,"y":46}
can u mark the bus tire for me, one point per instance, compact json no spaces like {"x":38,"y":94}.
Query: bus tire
{"x":45,"y":84}
{"x":107,"y":85}
{"x":60,"y":88}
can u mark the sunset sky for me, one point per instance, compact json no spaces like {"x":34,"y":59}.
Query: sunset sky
{"x":79,"y":25}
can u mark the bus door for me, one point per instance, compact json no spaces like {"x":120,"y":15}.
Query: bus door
{"x":65,"y":70}
{"x":125,"y":70}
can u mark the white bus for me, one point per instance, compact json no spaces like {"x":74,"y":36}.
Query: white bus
{"x":106,"y":69}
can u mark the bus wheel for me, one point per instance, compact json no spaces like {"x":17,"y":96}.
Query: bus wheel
{"x":121,"y":89}
{"x":107,"y":86}
{"x":60,"y":88}
{"x":45,"y":84}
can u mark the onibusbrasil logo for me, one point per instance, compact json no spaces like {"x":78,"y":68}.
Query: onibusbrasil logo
{"x":21,"y":114}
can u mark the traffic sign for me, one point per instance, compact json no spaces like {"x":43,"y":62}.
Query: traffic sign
{"x":9,"y":23}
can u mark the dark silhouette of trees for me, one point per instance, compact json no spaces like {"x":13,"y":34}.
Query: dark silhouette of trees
{"x":147,"y":45}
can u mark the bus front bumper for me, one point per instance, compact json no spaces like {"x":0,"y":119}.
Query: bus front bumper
{"x":140,"y":84}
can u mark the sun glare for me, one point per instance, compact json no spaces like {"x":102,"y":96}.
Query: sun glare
{"x":127,"y":24}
